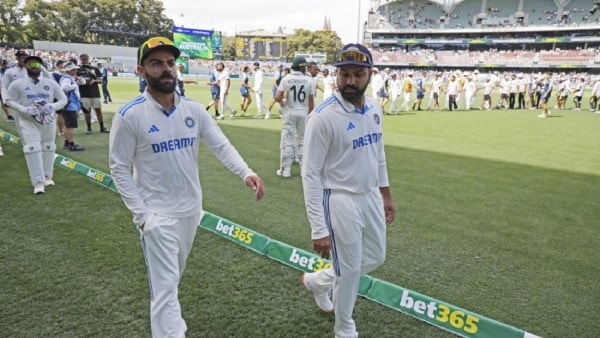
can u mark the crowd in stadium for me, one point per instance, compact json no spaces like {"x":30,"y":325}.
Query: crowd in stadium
{"x":404,"y":89}
{"x":588,"y":56}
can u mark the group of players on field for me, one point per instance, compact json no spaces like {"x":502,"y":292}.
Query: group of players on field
{"x":453,"y":89}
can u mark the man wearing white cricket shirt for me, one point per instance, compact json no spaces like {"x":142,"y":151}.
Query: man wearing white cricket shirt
{"x":158,"y":133}
{"x":33,"y":99}
{"x":224,"y":84}
{"x":258,"y":91}
{"x":346,"y":188}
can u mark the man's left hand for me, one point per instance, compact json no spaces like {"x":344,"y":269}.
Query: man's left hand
{"x":257,"y":185}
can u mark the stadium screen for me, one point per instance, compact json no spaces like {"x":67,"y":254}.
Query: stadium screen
{"x":198,"y":43}
{"x":260,"y":48}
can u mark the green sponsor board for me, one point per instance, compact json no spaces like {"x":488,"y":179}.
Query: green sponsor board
{"x":296,"y":258}
{"x":9,"y":137}
{"x":94,"y":175}
{"x":478,"y":41}
{"x":490,"y":65}
{"x":422,"y":64}
{"x":553,"y":40}
{"x":567,"y":65}
{"x":235,"y":232}
{"x":441,"y":314}
{"x":411,"y":41}
{"x":307,"y":261}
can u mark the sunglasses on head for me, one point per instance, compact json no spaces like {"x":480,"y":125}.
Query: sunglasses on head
{"x":154,"y":42}
{"x":353,"y":54}
{"x":33,"y":64}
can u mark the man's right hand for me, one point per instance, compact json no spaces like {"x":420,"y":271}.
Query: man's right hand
{"x":323,"y":246}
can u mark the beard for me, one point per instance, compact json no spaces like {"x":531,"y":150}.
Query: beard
{"x":33,"y":73}
{"x":163,"y":87}
{"x":352,"y":93}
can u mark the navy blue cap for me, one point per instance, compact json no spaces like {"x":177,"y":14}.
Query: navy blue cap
{"x":354,"y":54}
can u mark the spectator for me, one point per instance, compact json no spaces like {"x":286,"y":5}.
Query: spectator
{"x":104,"y":70}
{"x":90,"y":93}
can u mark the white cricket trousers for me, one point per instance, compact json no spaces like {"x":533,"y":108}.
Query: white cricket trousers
{"x":167,"y":242}
{"x":406,"y":102}
{"x":224,"y":105}
{"x":356,"y":223}
{"x":39,"y":148}
{"x":292,"y":137}
{"x":260,"y":105}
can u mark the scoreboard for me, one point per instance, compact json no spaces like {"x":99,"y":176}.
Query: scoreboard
{"x":248,"y":47}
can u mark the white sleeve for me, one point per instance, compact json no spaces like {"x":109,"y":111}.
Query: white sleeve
{"x":121,"y":149}
{"x":316,"y":145}
{"x":382,"y":162}
{"x":4,"y":88}
{"x":220,"y":146}
{"x":12,"y":99}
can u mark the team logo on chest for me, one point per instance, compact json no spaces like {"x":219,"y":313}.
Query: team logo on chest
{"x":46,"y":88}
{"x":377,"y":118}
{"x":189,"y":122}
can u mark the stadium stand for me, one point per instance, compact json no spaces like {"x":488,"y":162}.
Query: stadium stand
{"x":541,"y":34}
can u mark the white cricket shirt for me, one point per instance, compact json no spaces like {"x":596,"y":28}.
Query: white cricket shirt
{"x":343,"y":150}
{"x":163,"y":149}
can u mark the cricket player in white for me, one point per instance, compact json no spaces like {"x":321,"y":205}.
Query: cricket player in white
{"x":328,"y":84}
{"x":470,"y":92}
{"x":33,"y":100}
{"x":14,"y":73}
{"x":258,"y":90}
{"x":159,"y":134}
{"x":300,"y":93}
{"x":224,"y":84}
{"x":394,"y":90}
{"x":346,"y":189}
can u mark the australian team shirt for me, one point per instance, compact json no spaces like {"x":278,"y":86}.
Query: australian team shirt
{"x":343,"y":150}
{"x":298,"y":87}
{"x":162,"y":148}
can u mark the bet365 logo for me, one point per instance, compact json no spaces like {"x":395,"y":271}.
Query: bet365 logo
{"x":235,"y":232}
{"x":440,"y":313}
{"x":311,"y":263}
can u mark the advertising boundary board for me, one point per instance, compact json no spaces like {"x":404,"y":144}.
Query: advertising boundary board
{"x":438,"y":313}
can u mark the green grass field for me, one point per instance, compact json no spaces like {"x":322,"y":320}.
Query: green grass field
{"x":498,"y":213}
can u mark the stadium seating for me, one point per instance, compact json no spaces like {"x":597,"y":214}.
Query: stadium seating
{"x":579,"y":12}
{"x":424,"y":14}
{"x":462,"y":58}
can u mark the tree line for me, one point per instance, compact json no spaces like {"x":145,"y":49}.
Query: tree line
{"x":120,"y":23}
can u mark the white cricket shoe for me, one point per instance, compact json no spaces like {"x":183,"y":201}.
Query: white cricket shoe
{"x":284,"y":172}
{"x":542,"y":116}
{"x":1,"y":152}
{"x":48,"y":182}
{"x":38,"y":188}
{"x":220,"y":117}
{"x":321,"y":296}
{"x":267,"y":116}
{"x":258,"y":116}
